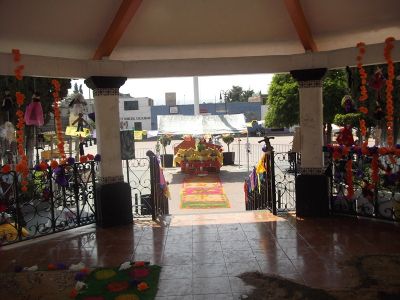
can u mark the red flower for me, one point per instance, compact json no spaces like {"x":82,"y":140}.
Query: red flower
{"x":6,"y":169}
{"x":140,"y":273}
{"x":117,"y":286}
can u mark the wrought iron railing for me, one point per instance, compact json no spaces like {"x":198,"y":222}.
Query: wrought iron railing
{"x":378,"y":198}
{"x":148,"y":195}
{"x":56,"y":200}
{"x":275,"y":190}
{"x":137,"y":174}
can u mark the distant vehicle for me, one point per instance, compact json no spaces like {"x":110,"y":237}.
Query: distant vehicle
{"x":256,"y":128}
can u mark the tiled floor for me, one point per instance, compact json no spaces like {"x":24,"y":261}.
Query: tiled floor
{"x":201,"y":255}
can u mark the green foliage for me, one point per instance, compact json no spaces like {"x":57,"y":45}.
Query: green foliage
{"x":228,"y":139}
{"x":334,"y":89}
{"x":352,"y":119}
{"x":283,"y":102}
{"x":237,"y":94}
{"x":165,"y":140}
{"x":283,"y":98}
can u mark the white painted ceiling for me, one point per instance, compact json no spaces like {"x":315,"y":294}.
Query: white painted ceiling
{"x":181,"y":29}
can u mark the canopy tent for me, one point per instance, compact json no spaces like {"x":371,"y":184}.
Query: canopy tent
{"x":198,"y":125}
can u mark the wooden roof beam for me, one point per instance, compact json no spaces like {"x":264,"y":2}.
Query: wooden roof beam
{"x":296,"y":13}
{"x":125,"y":13}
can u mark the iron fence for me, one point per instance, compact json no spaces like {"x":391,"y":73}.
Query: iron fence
{"x":148,"y":192}
{"x":274,"y":189}
{"x":56,"y":200}
{"x":364,"y":197}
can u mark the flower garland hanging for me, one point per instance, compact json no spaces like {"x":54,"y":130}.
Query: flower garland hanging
{"x":57,"y":117}
{"x":389,"y":89}
{"x":363,"y":89}
{"x":22,"y":166}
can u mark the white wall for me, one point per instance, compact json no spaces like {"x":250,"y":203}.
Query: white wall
{"x":129,"y":117}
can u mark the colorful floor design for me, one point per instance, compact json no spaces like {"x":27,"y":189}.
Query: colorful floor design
{"x":138,"y":282}
{"x":203,"y":192}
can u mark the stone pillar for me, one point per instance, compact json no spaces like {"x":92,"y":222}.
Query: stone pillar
{"x":113,"y":195}
{"x":312,"y":185}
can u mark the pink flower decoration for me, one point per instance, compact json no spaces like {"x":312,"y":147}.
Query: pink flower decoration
{"x":139,"y":273}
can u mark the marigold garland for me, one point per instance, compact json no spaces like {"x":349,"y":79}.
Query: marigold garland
{"x":22,"y":166}
{"x":363,"y":89}
{"x":57,"y":117}
{"x":389,"y":89}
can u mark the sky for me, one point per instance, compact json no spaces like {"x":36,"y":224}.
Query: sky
{"x":209,"y":87}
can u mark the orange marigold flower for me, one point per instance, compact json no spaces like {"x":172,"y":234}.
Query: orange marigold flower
{"x":142,"y":286}
{"x":54,"y":164}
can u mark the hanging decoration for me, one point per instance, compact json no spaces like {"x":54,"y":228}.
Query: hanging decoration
{"x":57,"y":117}
{"x":363,"y":90}
{"x":389,"y":89}
{"x":22,"y":166}
{"x":34,"y":112}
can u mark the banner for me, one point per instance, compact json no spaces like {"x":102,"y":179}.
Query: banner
{"x":127,"y":145}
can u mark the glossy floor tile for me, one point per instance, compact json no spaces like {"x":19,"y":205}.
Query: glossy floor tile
{"x":202,"y":255}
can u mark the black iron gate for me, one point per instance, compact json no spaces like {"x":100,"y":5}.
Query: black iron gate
{"x":273,"y":189}
{"x":148,"y":192}
{"x":56,"y":200}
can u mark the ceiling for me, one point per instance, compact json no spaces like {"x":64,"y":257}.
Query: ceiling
{"x":196,"y":29}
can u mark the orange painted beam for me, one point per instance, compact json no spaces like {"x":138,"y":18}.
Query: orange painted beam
{"x":126,"y":11}
{"x":296,"y":13}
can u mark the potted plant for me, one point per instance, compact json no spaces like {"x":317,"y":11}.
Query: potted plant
{"x":228,"y":157}
{"x":166,"y":159}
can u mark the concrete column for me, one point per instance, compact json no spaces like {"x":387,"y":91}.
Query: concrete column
{"x":196,"y":95}
{"x":312,"y":185}
{"x":113,"y":195}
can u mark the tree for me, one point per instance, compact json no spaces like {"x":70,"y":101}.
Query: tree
{"x":334,"y":89}
{"x":282,"y":102}
{"x":237,"y":94}
{"x":283,"y":99}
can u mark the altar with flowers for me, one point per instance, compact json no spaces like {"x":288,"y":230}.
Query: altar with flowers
{"x":198,"y":157}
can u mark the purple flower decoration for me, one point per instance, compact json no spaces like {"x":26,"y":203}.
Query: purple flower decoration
{"x":97,"y":157}
{"x":18,"y":269}
{"x":264,"y":148}
{"x":134,"y":282}
{"x":61,"y":266}
{"x":58,"y":170}
{"x":71,"y":160}
{"x":37,"y":168}
{"x":398,"y":146}
{"x":80,"y":276}
{"x":360,"y":173}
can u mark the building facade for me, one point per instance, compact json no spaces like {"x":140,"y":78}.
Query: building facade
{"x":135,"y":113}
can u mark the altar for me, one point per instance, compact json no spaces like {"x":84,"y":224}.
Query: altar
{"x":198,"y":157}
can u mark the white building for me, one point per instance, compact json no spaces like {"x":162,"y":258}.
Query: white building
{"x":135,"y":113}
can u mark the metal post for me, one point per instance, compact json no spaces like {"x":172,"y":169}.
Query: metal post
{"x":76,"y":193}
{"x":248,"y":151}
{"x":127,"y":171}
{"x":153,"y":189}
{"x":273,"y":182}
{"x":239,"y":151}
